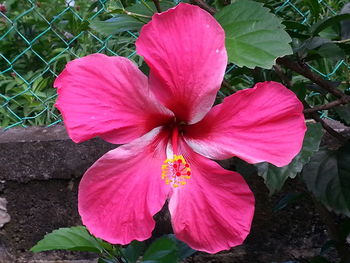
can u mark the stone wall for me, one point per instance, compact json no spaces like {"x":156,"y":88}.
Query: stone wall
{"x":39,"y":175}
{"x":40,"y":169}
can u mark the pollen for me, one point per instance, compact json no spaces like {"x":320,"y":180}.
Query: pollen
{"x":176,"y":171}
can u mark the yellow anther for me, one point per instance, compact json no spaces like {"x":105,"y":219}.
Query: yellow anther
{"x":176,"y":171}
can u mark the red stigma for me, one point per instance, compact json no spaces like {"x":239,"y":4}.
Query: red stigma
{"x":176,"y":171}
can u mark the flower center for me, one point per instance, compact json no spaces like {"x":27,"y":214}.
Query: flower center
{"x":176,"y":171}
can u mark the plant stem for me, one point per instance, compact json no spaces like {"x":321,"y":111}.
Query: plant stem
{"x":157,"y":4}
{"x":284,"y":78}
{"x":306,"y":72}
{"x":314,"y":115}
{"x":327,"y":106}
{"x":227,"y":85}
{"x":341,"y":41}
{"x":135,"y":14}
{"x":205,"y":6}
{"x":312,"y":112}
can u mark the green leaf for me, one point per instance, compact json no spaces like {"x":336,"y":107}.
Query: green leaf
{"x":314,"y":42}
{"x":314,"y":6}
{"x":133,"y":251}
{"x":254,"y":36}
{"x":275,"y":177}
{"x":117,"y":24}
{"x":345,"y":25}
{"x":183,"y":250}
{"x":116,"y":5}
{"x":146,"y":7}
{"x":292,"y":25}
{"x":75,"y":238}
{"x":323,"y":24}
{"x":324,"y":47}
{"x":299,"y":88}
{"x":327,"y":176}
{"x":329,"y":32}
{"x":163,"y":250}
{"x":331,"y":51}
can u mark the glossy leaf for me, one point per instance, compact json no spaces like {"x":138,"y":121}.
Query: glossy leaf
{"x":73,"y":238}
{"x":254,"y":36}
{"x":163,"y":250}
{"x":116,"y":6}
{"x":183,"y":250}
{"x":275,"y":177}
{"x":331,"y":51}
{"x":140,"y":14}
{"x":133,"y":251}
{"x":327,"y":176}
{"x":292,"y":25}
{"x":314,"y":42}
{"x":345,"y":24}
{"x":117,"y":24}
{"x":323,"y":24}
{"x":146,"y":7}
{"x":314,"y":6}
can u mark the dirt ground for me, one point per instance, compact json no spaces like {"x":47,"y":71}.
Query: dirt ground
{"x":294,"y":233}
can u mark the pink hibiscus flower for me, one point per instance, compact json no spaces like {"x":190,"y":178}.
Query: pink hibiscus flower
{"x":171,"y":132}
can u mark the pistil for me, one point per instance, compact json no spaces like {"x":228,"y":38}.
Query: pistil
{"x":175,"y":171}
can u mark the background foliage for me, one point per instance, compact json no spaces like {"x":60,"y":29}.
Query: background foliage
{"x":310,"y":37}
{"x":37,"y":38}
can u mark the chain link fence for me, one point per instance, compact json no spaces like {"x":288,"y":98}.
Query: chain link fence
{"x":37,"y":38}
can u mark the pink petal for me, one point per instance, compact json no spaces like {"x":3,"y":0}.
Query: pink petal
{"x":121,"y":192}
{"x":265,"y":123}
{"x":214,"y":210}
{"x":108,"y":97}
{"x":185,"y":49}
